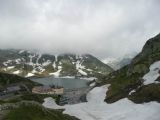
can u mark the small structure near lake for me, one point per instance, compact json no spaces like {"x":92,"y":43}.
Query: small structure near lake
{"x":48,"y":90}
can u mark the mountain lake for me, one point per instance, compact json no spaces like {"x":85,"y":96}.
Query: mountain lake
{"x":67,"y":83}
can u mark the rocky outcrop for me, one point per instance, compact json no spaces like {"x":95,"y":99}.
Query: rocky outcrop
{"x":129,"y":77}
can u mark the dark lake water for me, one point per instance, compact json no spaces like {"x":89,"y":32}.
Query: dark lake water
{"x":67,"y":83}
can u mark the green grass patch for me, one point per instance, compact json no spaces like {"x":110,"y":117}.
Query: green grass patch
{"x":33,"y":112}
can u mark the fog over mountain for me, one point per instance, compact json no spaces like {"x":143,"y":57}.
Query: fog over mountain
{"x":104,"y":28}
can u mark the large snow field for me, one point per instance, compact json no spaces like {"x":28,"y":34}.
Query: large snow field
{"x":97,"y":109}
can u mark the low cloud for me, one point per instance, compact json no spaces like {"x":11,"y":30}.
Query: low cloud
{"x":104,"y":28}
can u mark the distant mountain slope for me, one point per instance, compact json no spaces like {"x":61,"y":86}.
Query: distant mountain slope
{"x":129,"y":81}
{"x":27,"y":63}
{"x":117,"y":63}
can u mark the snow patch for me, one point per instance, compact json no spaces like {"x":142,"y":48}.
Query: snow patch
{"x":18,"y":61}
{"x":57,"y":73}
{"x":51,"y":103}
{"x":59,"y":67}
{"x":29,"y":75}
{"x":82,"y":72}
{"x":89,"y":70}
{"x":79,"y":65}
{"x":132,"y":92}
{"x":17,"y":72}
{"x":46,"y":63}
{"x":21,"y":51}
{"x":31,"y":60}
{"x":153,"y":74}
{"x":34,"y":71}
{"x":92,"y":84}
{"x":10,"y":67}
{"x":72,"y":77}
{"x":54,"y":65}
{"x":7,"y":62}
{"x":89,"y":78}
{"x":40,"y":69}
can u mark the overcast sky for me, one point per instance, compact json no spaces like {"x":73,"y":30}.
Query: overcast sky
{"x":104,"y":28}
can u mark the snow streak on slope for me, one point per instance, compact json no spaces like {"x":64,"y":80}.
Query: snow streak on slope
{"x":153,"y":74}
{"x":29,"y":75}
{"x":57,"y":73}
{"x":10,"y":67}
{"x":79,"y":66}
{"x":97,"y":109}
{"x":17,"y":72}
{"x":54,"y":64}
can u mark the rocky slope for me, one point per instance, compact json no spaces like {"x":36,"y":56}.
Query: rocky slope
{"x":27,"y":63}
{"x":130,"y":80}
{"x":9,"y":79}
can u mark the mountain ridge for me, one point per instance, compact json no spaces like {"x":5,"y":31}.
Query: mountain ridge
{"x":28,"y":63}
